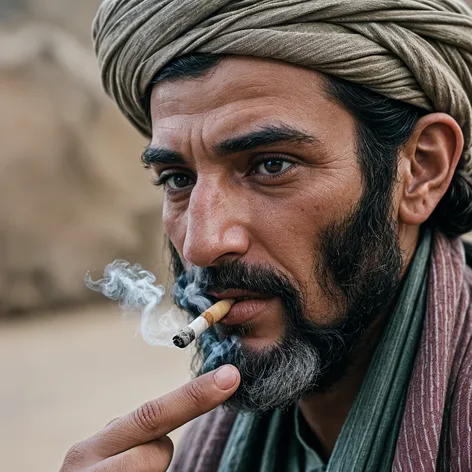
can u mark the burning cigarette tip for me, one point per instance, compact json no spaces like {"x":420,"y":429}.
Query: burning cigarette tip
{"x":184,"y":337}
{"x":200,"y":324}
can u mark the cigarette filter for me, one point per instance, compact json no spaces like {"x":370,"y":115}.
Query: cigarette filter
{"x":200,"y":324}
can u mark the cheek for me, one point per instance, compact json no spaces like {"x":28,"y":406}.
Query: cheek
{"x":291,"y":235}
{"x":288,"y":231}
{"x":291,"y":226}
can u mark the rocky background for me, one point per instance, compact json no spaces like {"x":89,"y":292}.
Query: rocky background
{"x":73,"y":195}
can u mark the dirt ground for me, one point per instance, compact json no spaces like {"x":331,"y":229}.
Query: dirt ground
{"x":65,"y":375}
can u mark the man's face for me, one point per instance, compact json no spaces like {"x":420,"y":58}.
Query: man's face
{"x":263,"y":180}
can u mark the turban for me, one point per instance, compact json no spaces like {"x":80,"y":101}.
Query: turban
{"x":415,"y":51}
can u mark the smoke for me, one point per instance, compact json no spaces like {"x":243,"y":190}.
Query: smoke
{"x":215,"y":351}
{"x":136,"y":291}
{"x":187,"y":291}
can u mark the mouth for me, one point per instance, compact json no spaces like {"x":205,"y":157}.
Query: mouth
{"x":248,"y":305}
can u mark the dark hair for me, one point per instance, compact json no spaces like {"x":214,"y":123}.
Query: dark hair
{"x":384,"y":126}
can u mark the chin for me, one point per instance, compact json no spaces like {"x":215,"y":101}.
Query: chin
{"x":275,"y":373}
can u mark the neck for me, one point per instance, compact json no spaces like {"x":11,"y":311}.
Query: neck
{"x":326,"y":413}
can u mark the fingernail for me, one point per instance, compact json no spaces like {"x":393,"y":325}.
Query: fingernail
{"x":225,"y":377}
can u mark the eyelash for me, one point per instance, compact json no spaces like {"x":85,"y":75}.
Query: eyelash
{"x":160,"y":181}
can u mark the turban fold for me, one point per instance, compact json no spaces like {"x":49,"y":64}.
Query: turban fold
{"x":415,"y":51}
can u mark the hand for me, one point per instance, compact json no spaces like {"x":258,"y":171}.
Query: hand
{"x":137,"y":442}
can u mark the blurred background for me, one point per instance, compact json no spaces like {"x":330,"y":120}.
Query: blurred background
{"x":73,"y":197}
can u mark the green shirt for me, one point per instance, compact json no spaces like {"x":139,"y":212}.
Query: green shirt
{"x":300,"y":455}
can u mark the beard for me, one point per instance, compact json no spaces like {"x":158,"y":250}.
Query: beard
{"x":359,"y":273}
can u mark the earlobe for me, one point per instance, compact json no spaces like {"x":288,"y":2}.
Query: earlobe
{"x":427,"y":166}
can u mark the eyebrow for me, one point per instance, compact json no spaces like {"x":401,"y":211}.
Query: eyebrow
{"x":152,"y":155}
{"x":270,"y":135}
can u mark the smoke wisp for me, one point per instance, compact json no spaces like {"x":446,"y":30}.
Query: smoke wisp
{"x":136,"y":291}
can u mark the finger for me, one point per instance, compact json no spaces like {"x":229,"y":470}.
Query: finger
{"x":153,"y":456}
{"x":113,"y":420}
{"x":159,"y":417}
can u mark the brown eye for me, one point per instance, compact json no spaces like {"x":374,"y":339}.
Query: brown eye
{"x":273,"y":166}
{"x":179,"y":181}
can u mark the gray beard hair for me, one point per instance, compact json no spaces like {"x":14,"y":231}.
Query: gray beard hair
{"x":273,"y":379}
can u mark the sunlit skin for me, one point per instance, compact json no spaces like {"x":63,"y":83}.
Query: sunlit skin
{"x":241,"y":206}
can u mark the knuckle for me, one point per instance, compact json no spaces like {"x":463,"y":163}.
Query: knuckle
{"x":150,"y":415}
{"x":76,"y":456}
{"x":195,"y":392}
{"x":153,"y":456}
{"x":112,"y":421}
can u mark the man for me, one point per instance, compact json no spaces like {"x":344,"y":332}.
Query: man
{"x":315,"y":158}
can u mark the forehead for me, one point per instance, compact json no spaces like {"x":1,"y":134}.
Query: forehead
{"x":238,"y":93}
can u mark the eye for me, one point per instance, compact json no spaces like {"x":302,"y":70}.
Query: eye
{"x":177,"y":181}
{"x":272,"y":166}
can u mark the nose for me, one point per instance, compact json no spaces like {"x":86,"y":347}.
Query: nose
{"x":216,"y":230}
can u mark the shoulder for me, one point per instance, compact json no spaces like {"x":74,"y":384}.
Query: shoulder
{"x":202,"y":443}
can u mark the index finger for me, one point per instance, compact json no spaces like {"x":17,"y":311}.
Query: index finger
{"x":160,"y":416}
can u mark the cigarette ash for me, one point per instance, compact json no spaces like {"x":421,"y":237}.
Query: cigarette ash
{"x":136,"y":291}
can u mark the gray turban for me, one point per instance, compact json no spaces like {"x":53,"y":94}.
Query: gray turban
{"x":415,"y":51}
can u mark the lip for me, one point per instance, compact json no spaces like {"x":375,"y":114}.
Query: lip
{"x":237,"y":293}
{"x":246,"y":310}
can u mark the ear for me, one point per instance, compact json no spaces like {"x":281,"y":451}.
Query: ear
{"x":427,"y":165}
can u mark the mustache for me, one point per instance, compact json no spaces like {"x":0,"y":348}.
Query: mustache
{"x":264,"y":279}
{"x":244,"y":276}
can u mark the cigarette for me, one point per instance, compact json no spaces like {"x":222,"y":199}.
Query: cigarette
{"x":200,"y":324}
